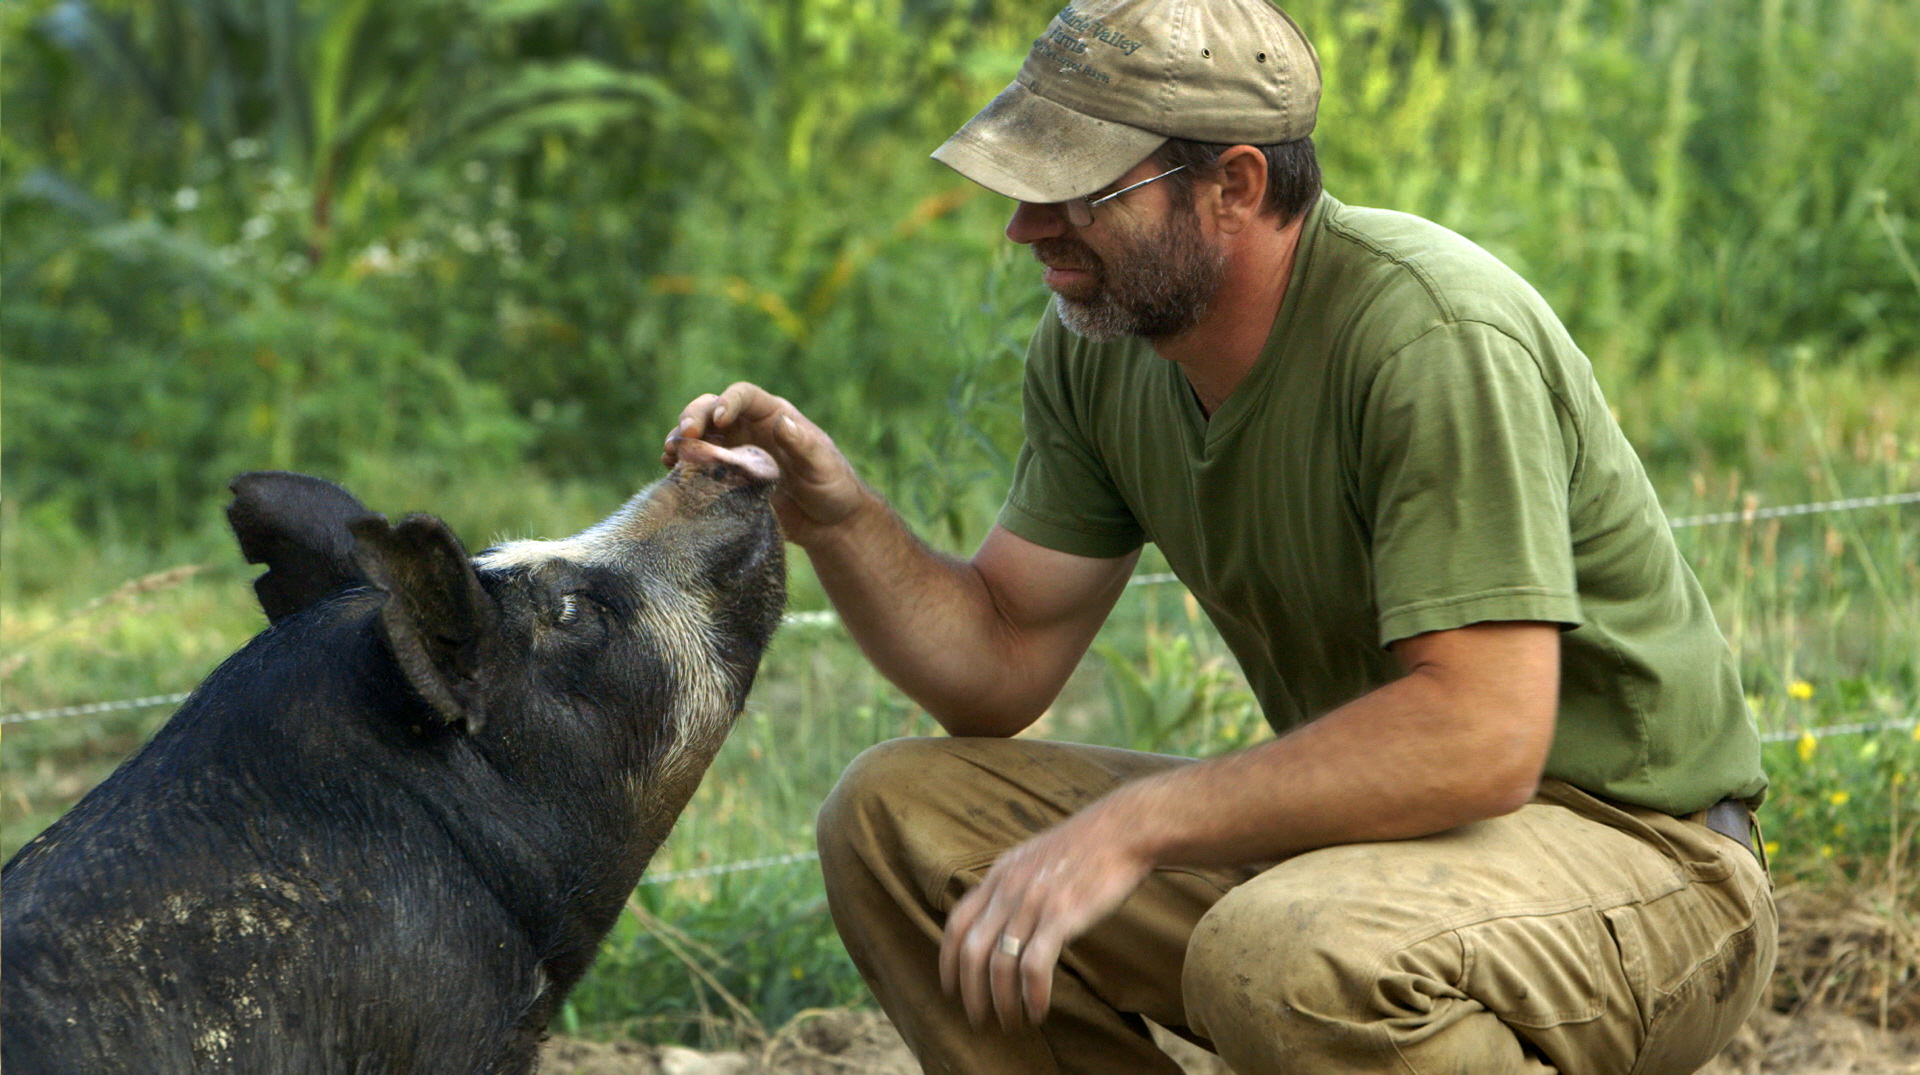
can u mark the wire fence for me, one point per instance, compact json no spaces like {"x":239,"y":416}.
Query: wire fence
{"x":669,"y":876}
{"x":827,"y":618}
{"x":666,"y":877}
{"x":1755,"y":514}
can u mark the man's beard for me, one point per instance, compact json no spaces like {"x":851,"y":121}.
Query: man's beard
{"x":1155,"y":286}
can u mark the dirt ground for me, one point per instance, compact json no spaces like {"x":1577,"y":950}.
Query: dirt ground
{"x":1849,"y":964}
{"x":862,"y":1043}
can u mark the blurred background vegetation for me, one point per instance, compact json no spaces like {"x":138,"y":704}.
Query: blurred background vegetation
{"x":472,"y":256}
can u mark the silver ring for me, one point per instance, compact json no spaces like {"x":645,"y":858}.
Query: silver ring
{"x":1010,"y":945}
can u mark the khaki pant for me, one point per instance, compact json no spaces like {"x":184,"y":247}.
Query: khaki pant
{"x":1572,"y":935}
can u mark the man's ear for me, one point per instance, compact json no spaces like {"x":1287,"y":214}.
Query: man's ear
{"x":1241,"y":177}
{"x":440,"y":623}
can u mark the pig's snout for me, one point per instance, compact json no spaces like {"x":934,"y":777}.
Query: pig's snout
{"x":744,"y":466}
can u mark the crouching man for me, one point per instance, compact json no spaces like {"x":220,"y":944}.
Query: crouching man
{"x":1505,"y":825}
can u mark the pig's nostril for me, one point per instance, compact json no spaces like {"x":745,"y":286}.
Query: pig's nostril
{"x":740,"y":475}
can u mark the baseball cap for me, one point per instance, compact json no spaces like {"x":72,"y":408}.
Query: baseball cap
{"x":1110,"y":80}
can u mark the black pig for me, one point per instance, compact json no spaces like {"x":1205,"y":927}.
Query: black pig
{"x":389,"y":833}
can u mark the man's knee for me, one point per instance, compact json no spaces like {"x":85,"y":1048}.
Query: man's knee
{"x":875,"y":790}
{"x":880,"y":773}
{"x":1290,"y":969}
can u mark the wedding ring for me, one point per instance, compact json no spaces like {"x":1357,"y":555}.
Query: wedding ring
{"x":1010,"y":945}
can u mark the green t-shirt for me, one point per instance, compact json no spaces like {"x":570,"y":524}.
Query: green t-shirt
{"x":1421,"y":446}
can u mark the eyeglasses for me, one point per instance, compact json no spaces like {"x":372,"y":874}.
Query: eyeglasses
{"x":1080,"y":211}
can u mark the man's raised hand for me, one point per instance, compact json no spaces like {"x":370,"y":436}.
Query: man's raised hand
{"x":818,"y":487}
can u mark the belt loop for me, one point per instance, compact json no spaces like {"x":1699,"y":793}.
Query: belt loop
{"x":1760,"y":843}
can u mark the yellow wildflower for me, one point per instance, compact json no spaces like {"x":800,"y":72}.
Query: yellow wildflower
{"x":1806,"y":746}
{"x":1800,"y":689}
{"x":1772,"y":848}
{"x":1838,"y":798}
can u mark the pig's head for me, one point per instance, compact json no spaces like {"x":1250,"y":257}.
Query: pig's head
{"x":666,"y":606}
{"x":587,"y":681}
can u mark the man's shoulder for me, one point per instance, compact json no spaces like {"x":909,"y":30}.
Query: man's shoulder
{"x":1384,"y":255}
{"x":1379,"y":280}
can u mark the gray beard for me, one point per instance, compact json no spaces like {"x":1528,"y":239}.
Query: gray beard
{"x":1161,"y":288}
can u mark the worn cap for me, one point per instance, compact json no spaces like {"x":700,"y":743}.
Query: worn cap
{"x":1111,"y":80}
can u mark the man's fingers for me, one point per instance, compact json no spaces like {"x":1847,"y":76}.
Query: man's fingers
{"x":1004,"y":974}
{"x":735,"y":410}
{"x":742,"y":413}
{"x":959,"y":922}
{"x":977,"y":957}
{"x":694,"y":418}
{"x":997,"y":954}
{"x":1037,"y":963}
{"x":1026,"y":949}
{"x":749,"y":404}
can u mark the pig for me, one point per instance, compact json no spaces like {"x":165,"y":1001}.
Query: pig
{"x":389,"y":833}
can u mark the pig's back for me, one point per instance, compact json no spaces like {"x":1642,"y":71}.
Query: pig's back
{"x":242,"y":896}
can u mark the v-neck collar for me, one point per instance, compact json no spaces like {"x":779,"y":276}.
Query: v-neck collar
{"x":1203,"y":435}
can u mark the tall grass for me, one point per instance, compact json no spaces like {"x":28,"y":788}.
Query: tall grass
{"x":1720,"y":199}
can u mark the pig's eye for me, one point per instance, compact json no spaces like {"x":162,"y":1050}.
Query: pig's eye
{"x":579,"y":610}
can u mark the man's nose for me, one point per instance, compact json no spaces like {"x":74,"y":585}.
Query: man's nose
{"x":1037,"y":220}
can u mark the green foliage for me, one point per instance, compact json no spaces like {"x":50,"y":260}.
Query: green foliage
{"x":1175,"y":694}
{"x":1844,"y":808}
{"x":695,"y":968}
{"x":290,"y":233}
{"x":1655,"y":168}
{"x":498,"y":232}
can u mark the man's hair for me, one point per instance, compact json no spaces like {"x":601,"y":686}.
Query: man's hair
{"x":1293,"y":173}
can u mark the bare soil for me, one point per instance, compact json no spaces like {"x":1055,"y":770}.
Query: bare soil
{"x":1846,"y":1001}
{"x":862,"y":1043}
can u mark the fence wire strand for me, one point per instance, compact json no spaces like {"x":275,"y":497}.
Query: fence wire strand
{"x":93,"y":708}
{"x":827,"y":617}
{"x":670,"y":876}
{"x":1758,"y":513}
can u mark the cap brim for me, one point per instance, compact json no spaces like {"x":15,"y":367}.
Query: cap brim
{"x":1032,"y":150}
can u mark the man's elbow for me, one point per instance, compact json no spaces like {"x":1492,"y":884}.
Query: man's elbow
{"x":1511,"y":793}
{"x":981,"y":715}
{"x":1510,"y":763}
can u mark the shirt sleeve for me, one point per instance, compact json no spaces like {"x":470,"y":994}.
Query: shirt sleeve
{"x":1467,"y":458}
{"x":1063,"y":496}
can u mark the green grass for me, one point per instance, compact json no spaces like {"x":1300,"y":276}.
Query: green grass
{"x":1820,"y":608}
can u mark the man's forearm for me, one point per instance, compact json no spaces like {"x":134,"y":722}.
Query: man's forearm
{"x":928,"y":622}
{"x":1414,"y":757}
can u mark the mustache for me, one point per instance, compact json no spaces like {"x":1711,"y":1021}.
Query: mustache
{"x":1064,"y":253}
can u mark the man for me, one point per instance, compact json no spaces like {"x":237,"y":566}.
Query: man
{"x":1504,"y":826}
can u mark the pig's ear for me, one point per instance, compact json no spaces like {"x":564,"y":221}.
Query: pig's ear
{"x":297,"y":526}
{"x":440,"y":623}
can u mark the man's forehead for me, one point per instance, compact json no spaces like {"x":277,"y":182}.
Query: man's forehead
{"x":1141,"y":170}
